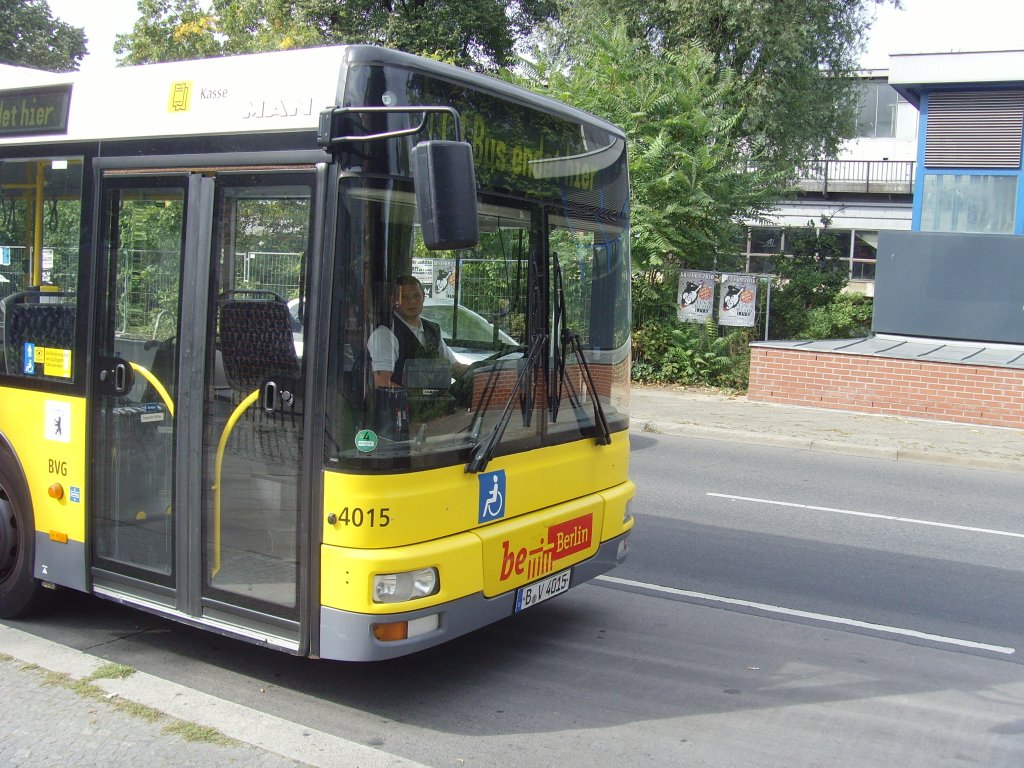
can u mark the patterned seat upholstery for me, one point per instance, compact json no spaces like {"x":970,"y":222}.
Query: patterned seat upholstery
{"x":44,"y":325}
{"x":256,"y":340}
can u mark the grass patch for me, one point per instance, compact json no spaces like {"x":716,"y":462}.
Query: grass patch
{"x":112,"y":671}
{"x":62,"y":679}
{"x":147,"y":713}
{"x":86,"y":688}
{"x":202,"y":733}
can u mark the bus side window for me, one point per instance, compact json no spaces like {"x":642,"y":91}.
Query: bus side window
{"x":39,"y":265}
{"x":38,"y":337}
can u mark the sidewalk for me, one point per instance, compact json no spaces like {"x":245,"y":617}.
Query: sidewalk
{"x":710,"y":414}
{"x":64,"y":707}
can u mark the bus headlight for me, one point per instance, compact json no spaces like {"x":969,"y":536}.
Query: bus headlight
{"x":401,"y":587}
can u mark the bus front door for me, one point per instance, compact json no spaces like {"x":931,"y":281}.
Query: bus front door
{"x":198,"y":383}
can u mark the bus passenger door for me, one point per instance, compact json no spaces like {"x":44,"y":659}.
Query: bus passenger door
{"x":142,"y":247}
{"x":199,"y":383}
{"x":254,"y":408}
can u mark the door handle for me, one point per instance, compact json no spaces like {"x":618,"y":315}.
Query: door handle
{"x":270,"y":396}
{"x":120,"y":378}
{"x":116,"y":377}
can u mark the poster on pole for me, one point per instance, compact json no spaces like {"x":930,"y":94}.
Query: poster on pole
{"x":738,"y":300}
{"x":695,"y":298}
{"x":437,"y":276}
{"x":444,"y":279}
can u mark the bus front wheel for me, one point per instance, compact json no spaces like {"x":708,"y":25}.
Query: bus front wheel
{"x":20,"y":591}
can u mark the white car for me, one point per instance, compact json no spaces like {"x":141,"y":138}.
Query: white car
{"x":297,"y":333}
{"x":472,"y":327}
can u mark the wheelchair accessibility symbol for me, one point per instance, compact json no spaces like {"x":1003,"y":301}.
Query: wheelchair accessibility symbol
{"x":492,"y":496}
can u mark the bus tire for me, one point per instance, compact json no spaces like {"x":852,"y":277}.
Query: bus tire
{"x":20,"y":591}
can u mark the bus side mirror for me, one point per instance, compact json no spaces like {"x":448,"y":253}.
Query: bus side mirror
{"x":446,"y":194}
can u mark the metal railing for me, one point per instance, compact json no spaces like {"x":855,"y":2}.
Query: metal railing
{"x":867,"y":176}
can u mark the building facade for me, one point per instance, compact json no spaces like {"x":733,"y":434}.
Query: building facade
{"x":971,"y":116}
{"x":948,"y":328}
{"x":868,"y":188}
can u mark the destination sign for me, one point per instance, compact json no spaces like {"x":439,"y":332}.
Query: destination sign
{"x":35,"y":110}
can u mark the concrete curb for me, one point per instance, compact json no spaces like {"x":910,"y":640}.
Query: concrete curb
{"x":702,"y":432}
{"x":267,"y":732}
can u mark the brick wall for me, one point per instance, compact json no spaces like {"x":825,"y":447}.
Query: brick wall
{"x":973,"y":394}
{"x":609,"y":379}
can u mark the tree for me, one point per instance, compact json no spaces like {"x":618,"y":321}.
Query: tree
{"x":480,"y":34}
{"x":31,"y":37}
{"x":792,"y":60}
{"x":173,"y":30}
{"x":690,"y":183}
{"x":169,"y":30}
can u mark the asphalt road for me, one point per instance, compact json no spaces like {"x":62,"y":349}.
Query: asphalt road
{"x":934,"y":549}
{"x":880,"y":623}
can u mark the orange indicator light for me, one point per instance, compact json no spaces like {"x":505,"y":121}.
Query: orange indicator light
{"x":56,"y":491}
{"x":398,"y":630}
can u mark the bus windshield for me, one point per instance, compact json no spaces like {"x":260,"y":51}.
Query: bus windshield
{"x":433,"y":347}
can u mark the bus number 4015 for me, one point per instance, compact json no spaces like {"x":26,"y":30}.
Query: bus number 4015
{"x":357,"y":517}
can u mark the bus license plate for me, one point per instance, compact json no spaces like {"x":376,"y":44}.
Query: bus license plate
{"x":540,"y":591}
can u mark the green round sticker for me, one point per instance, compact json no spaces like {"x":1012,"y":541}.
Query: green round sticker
{"x":366,"y":440}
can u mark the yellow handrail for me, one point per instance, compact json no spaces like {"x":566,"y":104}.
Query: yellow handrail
{"x":37,"y":226}
{"x":148,"y":376}
{"x":221,"y":445}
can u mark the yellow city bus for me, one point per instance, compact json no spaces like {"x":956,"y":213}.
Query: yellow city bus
{"x":193,"y":257}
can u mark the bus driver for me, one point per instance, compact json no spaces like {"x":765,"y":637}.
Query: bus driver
{"x":409,"y":336}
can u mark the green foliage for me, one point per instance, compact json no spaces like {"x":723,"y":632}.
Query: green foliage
{"x":847,"y":316}
{"x":690,"y":183}
{"x":479,"y":34}
{"x":252,"y":26}
{"x":807,"y":302}
{"x":170,"y":30}
{"x":31,"y":37}
{"x":60,"y":220}
{"x":791,"y":60}
{"x":149,"y":238}
{"x":677,"y":353}
{"x":809,"y":280}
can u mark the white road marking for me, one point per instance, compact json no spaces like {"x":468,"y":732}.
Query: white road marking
{"x":809,"y":615}
{"x":874,"y":515}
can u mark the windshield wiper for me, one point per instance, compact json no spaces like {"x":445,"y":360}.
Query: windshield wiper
{"x":484,"y":450}
{"x":490,"y":385}
{"x":570,"y":340}
{"x":603,"y":432}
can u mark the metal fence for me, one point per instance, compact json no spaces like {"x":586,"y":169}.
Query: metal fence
{"x":868,"y":176}
{"x":269,"y":271}
{"x":60,"y":268}
{"x":147,"y":301}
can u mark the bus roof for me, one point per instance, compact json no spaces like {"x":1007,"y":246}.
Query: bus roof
{"x":231,"y":94}
{"x":279,"y":91}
